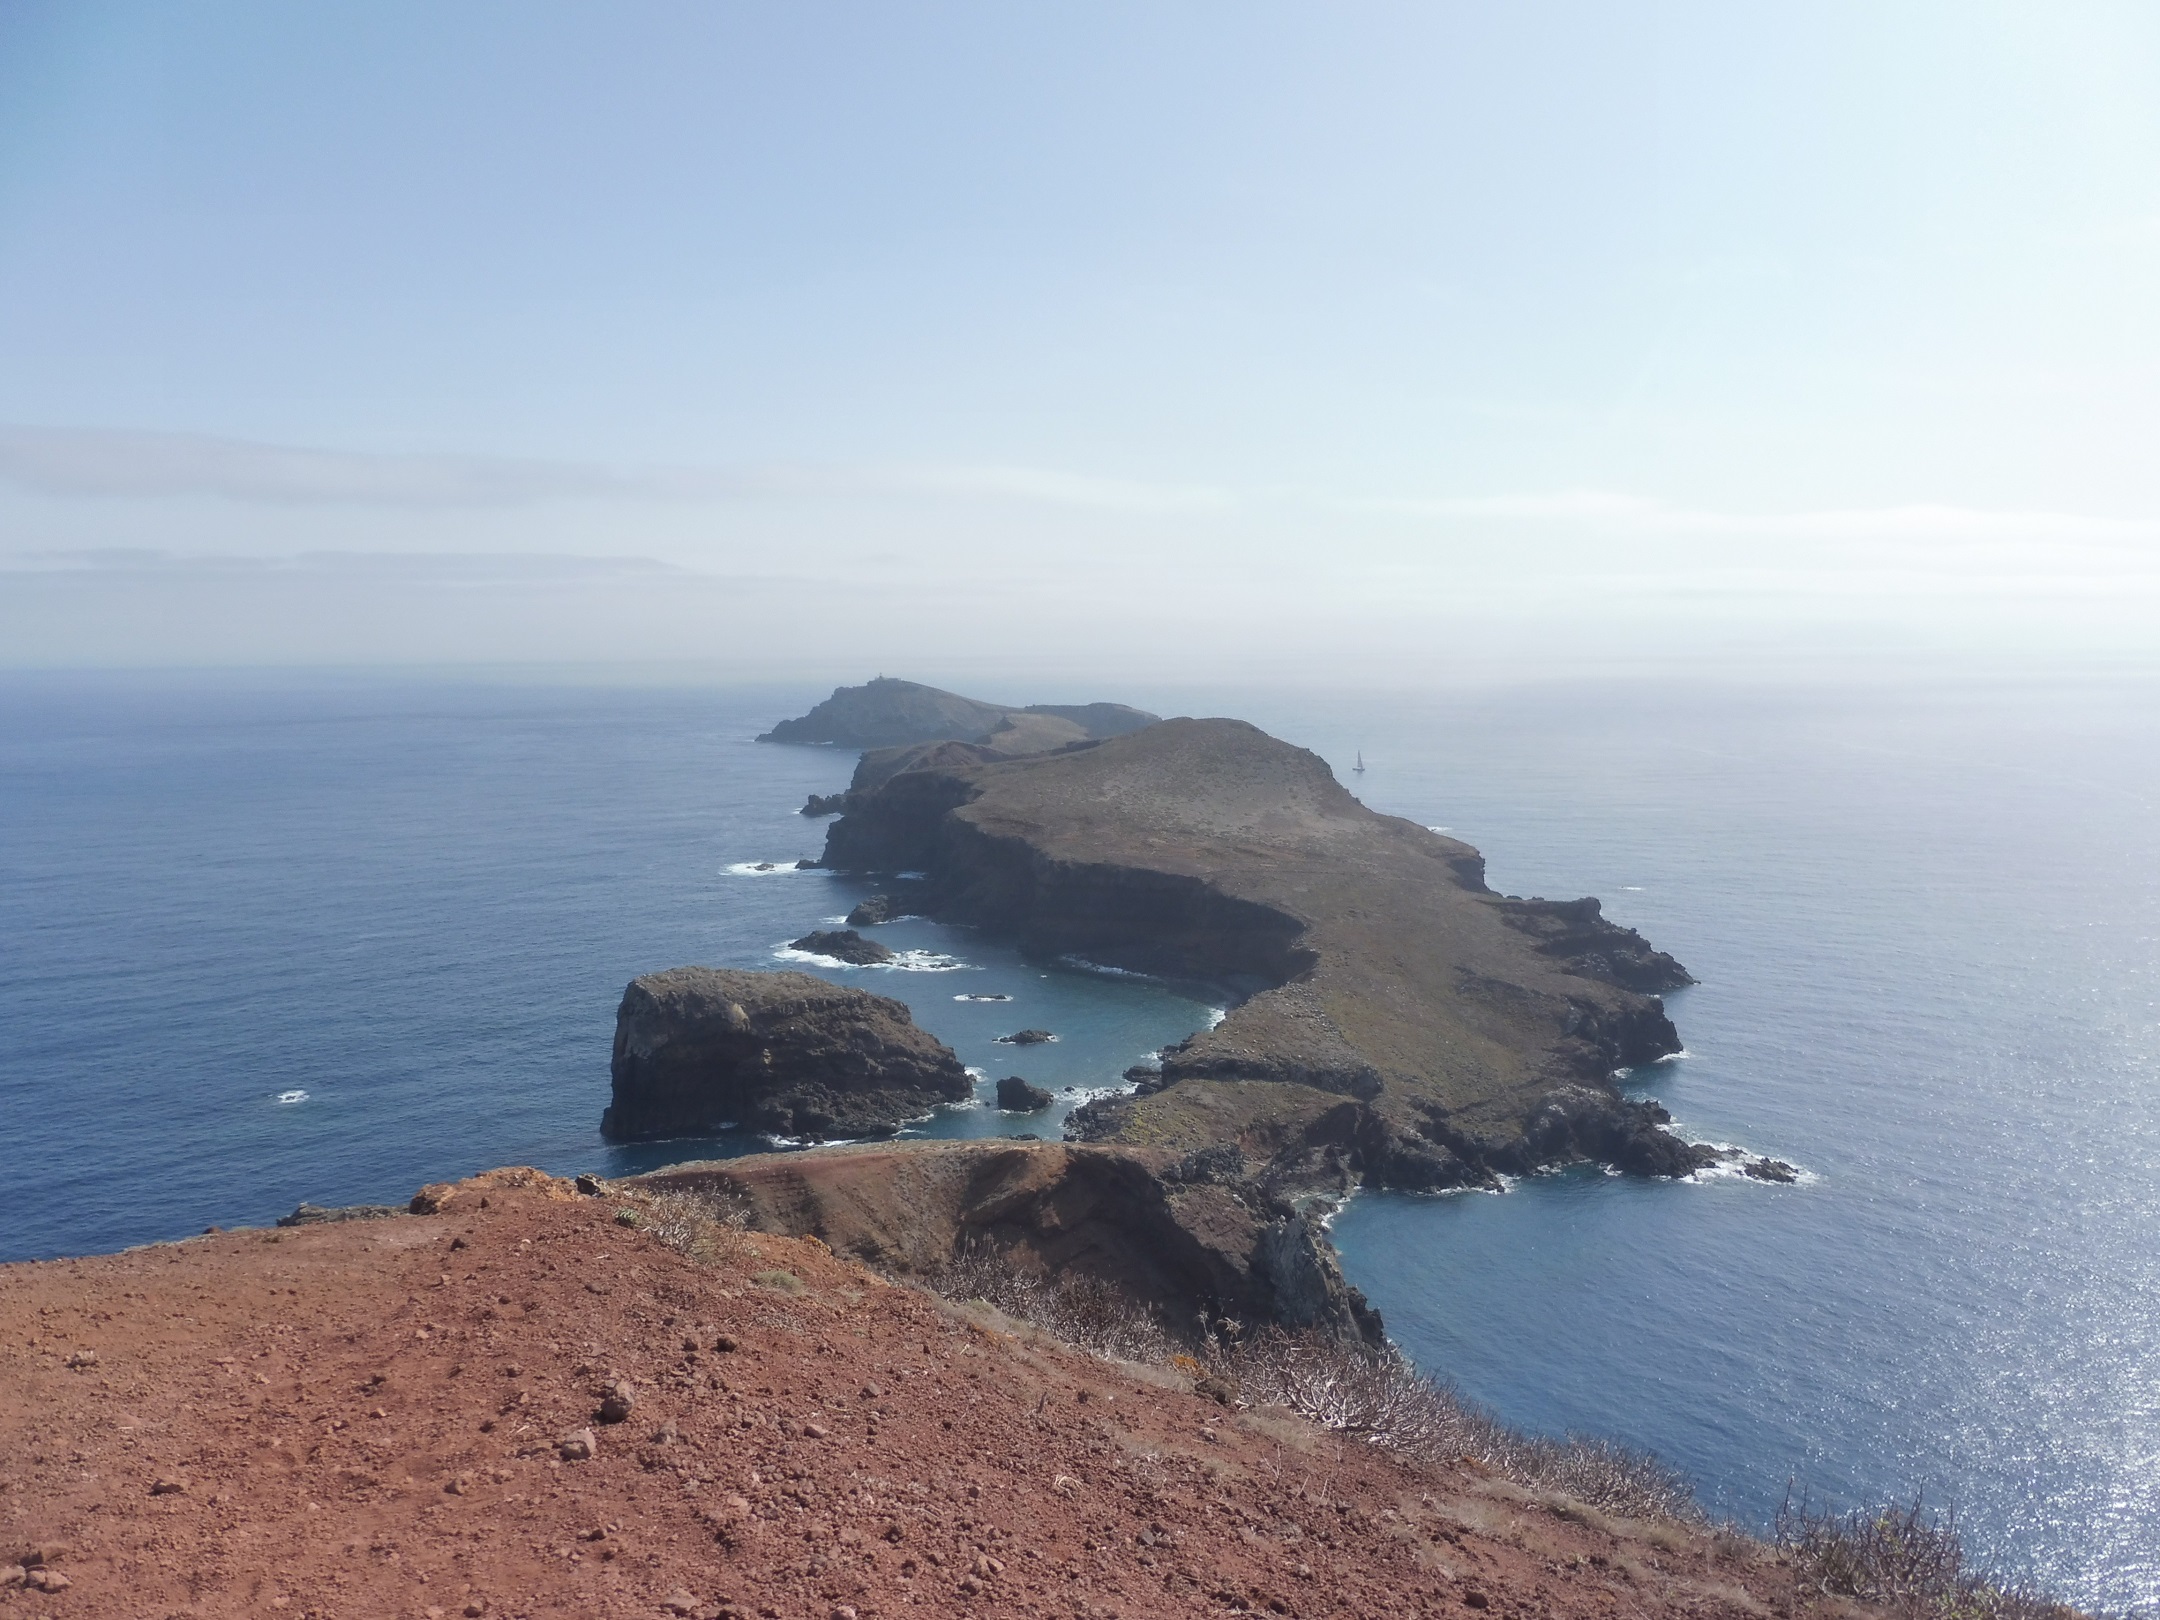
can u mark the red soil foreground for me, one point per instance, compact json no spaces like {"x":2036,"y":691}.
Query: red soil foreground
{"x":364,"y":1420}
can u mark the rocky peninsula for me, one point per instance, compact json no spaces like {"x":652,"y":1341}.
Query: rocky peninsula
{"x":1396,"y":1021}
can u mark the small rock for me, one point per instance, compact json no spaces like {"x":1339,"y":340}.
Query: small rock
{"x":590,"y":1185}
{"x":83,"y":1358}
{"x":1016,"y":1096}
{"x":475,"y":1609}
{"x":724,"y":1341}
{"x":842,"y":945}
{"x":1473,"y":1598}
{"x":1767,"y":1169}
{"x":577,"y":1445}
{"x":168,"y":1487}
{"x":1026,"y":1037}
{"x":871,"y":1392}
{"x":1217,"y":1389}
{"x":815,"y":1431}
{"x":12,"y":1576}
{"x":678,"y":1602}
{"x":616,"y":1404}
{"x":46,"y":1580}
{"x":843,"y":1611}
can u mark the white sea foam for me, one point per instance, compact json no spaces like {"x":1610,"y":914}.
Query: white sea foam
{"x":767,"y":869}
{"x":1085,"y":966}
{"x":1216,"y":1015}
{"x":902,"y":962}
{"x":969,"y":995}
{"x":294,"y":1096}
{"x":1674,"y":1057}
{"x":1736,"y":1155}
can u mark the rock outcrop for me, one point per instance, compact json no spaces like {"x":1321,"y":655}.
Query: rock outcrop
{"x":842,"y":945}
{"x":1396,"y":1020}
{"x":1018,"y":1096}
{"x":885,"y":713}
{"x":1026,"y":1037}
{"x":701,"y":1049}
{"x":1182,"y":1236}
{"x":903,"y":899}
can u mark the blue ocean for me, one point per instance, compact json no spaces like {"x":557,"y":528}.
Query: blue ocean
{"x":274,"y":938}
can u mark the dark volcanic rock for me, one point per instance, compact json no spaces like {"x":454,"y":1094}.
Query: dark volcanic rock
{"x":1767,"y":1169}
{"x":1578,"y":1122}
{"x":1378,"y":984}
{"x":1026,"y":1037}
{"x":1016,"y":1096}
{"x":842,"y":945}
{"x":903,"y":899}
{"x":824,"y":804}
{"x":886,"y":713}
{"x":697,"y":1049}
{"x":1577,"y":933}
{"x":319,"y":1215}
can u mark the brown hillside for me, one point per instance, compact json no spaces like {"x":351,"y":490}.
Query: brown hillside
{"x":365,"y":1420}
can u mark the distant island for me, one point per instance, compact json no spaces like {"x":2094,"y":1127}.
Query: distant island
{"x":900,"y":724}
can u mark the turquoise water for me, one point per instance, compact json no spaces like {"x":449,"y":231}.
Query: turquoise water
{"x":1927,"y":922}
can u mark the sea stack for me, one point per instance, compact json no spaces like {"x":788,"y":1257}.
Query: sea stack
{"x":699,"y":1049}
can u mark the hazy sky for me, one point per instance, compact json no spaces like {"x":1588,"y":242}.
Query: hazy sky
{"x":1249,"y":333}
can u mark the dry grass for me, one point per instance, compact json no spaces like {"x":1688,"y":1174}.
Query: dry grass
{"x":1904,"y":1559}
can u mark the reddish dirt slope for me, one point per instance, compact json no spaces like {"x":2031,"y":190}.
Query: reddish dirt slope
{"x":362,"y":1420}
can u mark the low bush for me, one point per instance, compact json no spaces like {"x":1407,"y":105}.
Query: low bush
{"x":706,"y":1226}
{"x":1374,"y":1395}
{"x":1379,"y":1396}
{"x":1085,"y":1312}
{"x":1904,"y":1559}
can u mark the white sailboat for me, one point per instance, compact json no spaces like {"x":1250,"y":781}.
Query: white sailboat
{"x":1359,"y":767}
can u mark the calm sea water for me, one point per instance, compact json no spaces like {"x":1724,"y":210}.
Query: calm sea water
{"x":272,"y":940}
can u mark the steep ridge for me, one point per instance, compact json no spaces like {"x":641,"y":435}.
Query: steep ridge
{"x":407,"y":1418}
{"x":1398,"y":1020}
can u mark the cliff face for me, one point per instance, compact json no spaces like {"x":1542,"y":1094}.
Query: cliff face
{"x":1185,"y":1235}
{"x":700,"y":1048}
{"x":1376,"y":964}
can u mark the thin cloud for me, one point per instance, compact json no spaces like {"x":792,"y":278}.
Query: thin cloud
{"x":1911,"y":522}
{"x":102,"y":462}
{"x":112,"y":464}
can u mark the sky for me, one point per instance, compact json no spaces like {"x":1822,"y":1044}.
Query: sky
{"x":1240,"y":337}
